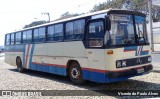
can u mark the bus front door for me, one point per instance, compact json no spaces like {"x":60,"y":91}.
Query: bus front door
{"x":95,"y":51}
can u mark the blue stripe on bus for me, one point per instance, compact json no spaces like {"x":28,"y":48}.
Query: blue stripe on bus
{"x":94,"y":76}
{"x":144,"y":53}
{"x":138,"y":50}
{"x":87,"y":75}
{"x":131,"y":48}
{"x":14,"y":48}
{"x":49,"y":69}
{"x":103,"y":77}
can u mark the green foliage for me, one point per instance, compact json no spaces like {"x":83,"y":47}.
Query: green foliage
{"x":35,"y":23}
{"x":68,"y":15}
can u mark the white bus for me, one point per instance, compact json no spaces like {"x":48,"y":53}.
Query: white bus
{"x":105,"y":46}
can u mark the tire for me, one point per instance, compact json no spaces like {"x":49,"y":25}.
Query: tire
{"x":19,"y":65}
{"x":75,"y":74}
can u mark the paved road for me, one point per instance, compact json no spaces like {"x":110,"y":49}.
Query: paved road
{"x":156,"y":61}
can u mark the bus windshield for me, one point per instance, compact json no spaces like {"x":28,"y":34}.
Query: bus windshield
{"x":123,"y":30}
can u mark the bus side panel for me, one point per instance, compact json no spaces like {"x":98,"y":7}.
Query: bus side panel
{"x":93,"y":75}
{"x":48,"y":58}
{"x":96,"y":60}
{"x":7,"y":55}
{"x":55,"y":58}
{"x":75,"y":51}
{"x":38,"y":53}
{"x":32,"y":59}
{"x":12,"y":52}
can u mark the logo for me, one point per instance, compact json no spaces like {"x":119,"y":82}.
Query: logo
{"x":139,"y":61}
{"x":6,"y":93}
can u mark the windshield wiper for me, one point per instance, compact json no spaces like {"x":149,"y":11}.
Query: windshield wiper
{"x":138,"y":38}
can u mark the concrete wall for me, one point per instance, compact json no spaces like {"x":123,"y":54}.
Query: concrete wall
{"x":156,"y":32}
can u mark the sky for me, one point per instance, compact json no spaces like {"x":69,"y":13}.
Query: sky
{"x":15,"y":14}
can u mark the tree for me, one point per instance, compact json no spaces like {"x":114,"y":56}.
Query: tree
{"x":115,"y":4}
{"x":68,"y":15}
{"x":35,"y":23}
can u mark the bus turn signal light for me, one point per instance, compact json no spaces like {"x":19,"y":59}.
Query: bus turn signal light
{"x":110,"y":52}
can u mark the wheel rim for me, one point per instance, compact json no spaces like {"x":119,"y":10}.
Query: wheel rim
{"x":75,"y":73}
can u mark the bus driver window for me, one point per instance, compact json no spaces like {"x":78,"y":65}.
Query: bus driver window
{"x":96,"y":32}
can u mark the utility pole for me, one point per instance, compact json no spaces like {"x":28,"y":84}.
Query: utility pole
{"x":46,"y":13}
{"x":151,"y":26}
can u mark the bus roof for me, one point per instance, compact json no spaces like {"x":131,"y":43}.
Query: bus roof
{"x":82,"y":16}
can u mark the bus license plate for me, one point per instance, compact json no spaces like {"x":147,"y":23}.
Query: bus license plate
{"x":141,"y":70}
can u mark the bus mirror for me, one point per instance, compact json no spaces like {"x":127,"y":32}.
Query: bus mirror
{"x":108,"y":23}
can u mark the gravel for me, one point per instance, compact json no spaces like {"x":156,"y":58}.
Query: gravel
{"x":33,"y":80}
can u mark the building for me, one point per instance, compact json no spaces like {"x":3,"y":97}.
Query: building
{"x":156,"y":32}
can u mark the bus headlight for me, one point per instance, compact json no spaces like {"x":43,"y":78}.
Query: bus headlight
{"x":149,"y":59}
{"x":118,"y":64}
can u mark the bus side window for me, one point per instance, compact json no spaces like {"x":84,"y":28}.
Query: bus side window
{"x":8,"y":39}
{"x":24,"y":37}
{"x":58,"y":34}
{"x":79,"y":29}
{"x":50,"y":33}
{"x":18,"y":38}
{"x":69,"y":31}
{"x":29,"y":36}
{"x":75,"y":30}
{"x":35,"y":35}
{"x":42,"y":33}
{"x":12,"y":39}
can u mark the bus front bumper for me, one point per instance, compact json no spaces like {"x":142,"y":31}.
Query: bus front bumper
{"x":129,"y":72}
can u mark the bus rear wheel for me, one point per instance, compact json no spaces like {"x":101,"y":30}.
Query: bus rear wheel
{"x":19,"y":65}
{"x":75,"y":74}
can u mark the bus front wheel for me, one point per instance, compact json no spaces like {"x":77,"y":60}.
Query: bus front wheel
{"x":75,"y":74}
{"x":19,"y":65}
